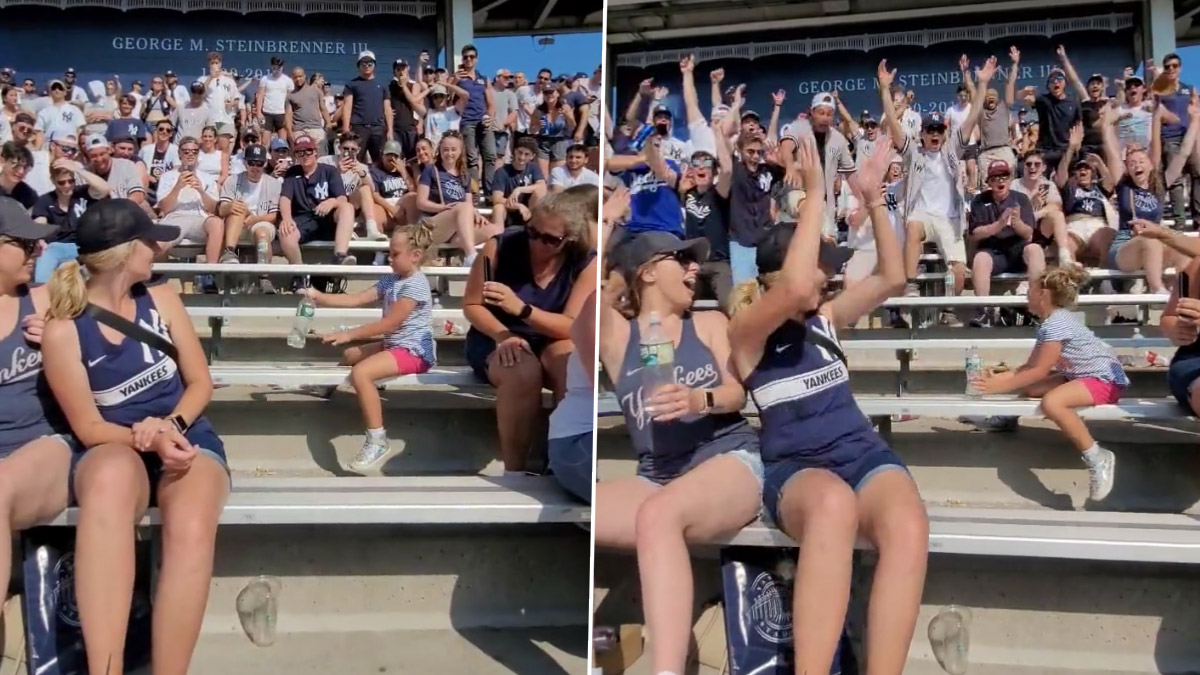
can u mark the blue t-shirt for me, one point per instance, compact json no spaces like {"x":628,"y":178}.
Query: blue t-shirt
{"x":1177,"y":103}
{"x":367,"y":109}
{"x":308,"y":191}
{"x":476,"y":98}
{"x":452,"y":189}
{"x":388,"y":185}
{"x":416,"y":333}
{"x":653,"y":204}
{"x":1135,"y":203}
{"x":130,"y":127}
{"x":509,"y":178}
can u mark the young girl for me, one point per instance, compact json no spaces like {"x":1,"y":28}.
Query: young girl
{"x":407,"y":347}
{"x":1088,"y":373}
{"x":445,"y":198}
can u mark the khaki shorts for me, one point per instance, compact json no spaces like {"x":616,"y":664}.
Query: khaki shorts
{"x":992,"y":154}
{"x":1084,"y":228}
{"x":191,"y":227}
{"x":318,"y":136}
{"x":943,"y":234}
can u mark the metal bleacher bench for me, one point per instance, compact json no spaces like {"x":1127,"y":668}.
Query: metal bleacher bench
{"x":418,"y":500}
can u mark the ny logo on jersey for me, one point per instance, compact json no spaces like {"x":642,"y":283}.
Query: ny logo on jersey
{"x":321,"y":191}
{"x":79,"y":207}
{"x":67,"y":115}
{"x":891,"y":202}
{"x":764,"y":181}
{"x":825,"y":330}
{"x":156,"y":324}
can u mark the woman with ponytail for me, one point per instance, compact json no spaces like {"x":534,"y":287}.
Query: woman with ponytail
{"x":829,"y":476}
{"x":407,"y":346}
{"x":699,"y":475}
{"x":35,"y":442}
{"x":131,"y":377}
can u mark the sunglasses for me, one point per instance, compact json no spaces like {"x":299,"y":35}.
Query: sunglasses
{"x":470,"y":56}
{"x":304,"y":153}
{"x":1057,"y":78}
{"x":684,"y":258}
{"x":23,"y":128}
{"x":28,"y":246}
{"x":1172,"y":66}
{"x":164,"y":130}
{"x":548,"y":239}
{"x":1033,"y":165}
{"x":256,"y":164}
{"x":704,"y":163}
{"x":65,"y":182}
{"x":67,"y":150}
{"x":189,"y":151}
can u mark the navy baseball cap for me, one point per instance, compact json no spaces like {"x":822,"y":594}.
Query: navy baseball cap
{"x":255,"y":153}
{"x":773,"y":247}
{"x":933,"y":119}
{"x":663,"y":110}
{"x":630,"y":254}
{"x":111,"y":222}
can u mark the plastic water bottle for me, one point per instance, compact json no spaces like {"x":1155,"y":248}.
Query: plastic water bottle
{"x":950,"y":638}
{"x":304,"y":316}
{"x":657,"y":351}
{"x":262,"y":252}
{"x":974,"y":368}
{"x":948,"y":281}
{"x":258,"y":609}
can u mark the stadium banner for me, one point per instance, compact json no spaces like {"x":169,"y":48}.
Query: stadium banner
{"x":41,"y":42}
{"x":807,"y":64}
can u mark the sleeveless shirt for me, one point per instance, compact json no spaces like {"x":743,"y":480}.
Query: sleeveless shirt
{"x":667,"y":450}
{"x":28,"y":410}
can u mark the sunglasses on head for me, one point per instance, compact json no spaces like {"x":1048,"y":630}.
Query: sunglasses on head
{"x":548,"y":239}
{"x":28,"y":246}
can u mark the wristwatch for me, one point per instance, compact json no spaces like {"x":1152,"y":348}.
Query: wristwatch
{"x":180,"y":424}
{"x":525,"y":311}
{"x":709,"y":402}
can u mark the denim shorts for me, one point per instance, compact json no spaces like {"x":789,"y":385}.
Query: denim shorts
{"x":203,"y":439}
{"x":571,"y":464}
{"x":1181,"y":375}
{"x":749,"y":458}
{"x":856,"y":462}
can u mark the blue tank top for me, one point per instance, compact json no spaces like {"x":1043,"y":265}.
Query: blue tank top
{"x":653,"y":205}
{"x":553,"y":128}
{"x":667,"y":450}
{"x":514,"y":269}
{"x":1135,"y":203}
{"x":803,"y":395}
{"x":1088,"y":201}
{"x":28,"y":410}
{"x":131,"y":381}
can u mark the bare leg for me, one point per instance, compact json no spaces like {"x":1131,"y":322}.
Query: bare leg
{"x":616,"y":507}
{"x":364,"y":375}
{"x":1059,"y":406}
{"x":214,"y":239}
{"x":499,"y":214}
{"x":234,"y":225}
{"x":718,"y":497}
{"x":892,"y":516}
{"x":1140,"y":253}
{"x":518,"y":400}
{"x":345,"y":228}
{"x":190,"y":504}
{"x":818,"y":510}
{"x":289,"y":245}
{"x":113,"y":493}
{"x":554,"y":365}
{"x":33,"y":490}
{"x":1035,"y":260}
{"x":981,"y":273}
{"x":914,"y":236}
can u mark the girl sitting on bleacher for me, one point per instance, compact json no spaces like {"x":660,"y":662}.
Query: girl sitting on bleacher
{"x":407,"y":347}
{"x":1088,"y":372}
{"x":829,"y":475}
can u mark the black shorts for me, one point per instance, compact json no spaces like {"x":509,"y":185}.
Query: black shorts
{"x":479,"y":349}
{"x":273,"y":123}
{"x":372,"y":139}
{"x":1011,"y":261}
{"x":971,"y":151}
{"x":407,"y":138}
{"x":315,"y":228}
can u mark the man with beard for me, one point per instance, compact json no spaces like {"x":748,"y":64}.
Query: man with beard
{"x":178,"y":92}
{"x":122,"y":175}
{"x":1056,"y":112}
{"x":573,"y":172}
{"x":933,"y":194}
{"x":995,"y":132}
{"x":705,"y":187}
{"x":750,"y":186}
{"x":832,"y":148}
{"x":1094,"y":98}
{"x":249,"y":200}
{"x":74,"y":95}
{"x":304,"y":111}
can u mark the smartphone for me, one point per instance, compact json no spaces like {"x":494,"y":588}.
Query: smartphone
{"x":1185,"y":285}
{"x":487,"y":270}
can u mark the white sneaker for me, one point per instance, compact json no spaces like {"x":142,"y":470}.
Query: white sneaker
{"x":1138,"y":287}
{"x":371,"y":454}
{"x":1101,"y":476}
{"x":374,"y":234}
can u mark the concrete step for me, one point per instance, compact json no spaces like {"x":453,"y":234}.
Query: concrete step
{"x":1157,"y":464}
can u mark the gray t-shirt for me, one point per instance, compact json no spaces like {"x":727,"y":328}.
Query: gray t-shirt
{"x":261,"y":197}
{"x":306,"y":108}
{"x":123,"y":178}
{"x":993,"y":126}
{"x":505,"y":101}
{"x":191,"y":121}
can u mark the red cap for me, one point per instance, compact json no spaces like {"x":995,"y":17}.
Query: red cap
{"x":998,"y":167}
{"x":304,"y":143}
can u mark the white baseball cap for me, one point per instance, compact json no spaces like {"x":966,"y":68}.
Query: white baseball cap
{"x":823,"y":99}
{"x":366,"y":55}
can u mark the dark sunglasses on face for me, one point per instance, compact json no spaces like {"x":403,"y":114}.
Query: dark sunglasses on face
{"x":189,"y":151}
{"x":66,"y":150}
{"x":1057,"y":78}
{"x":164,"y":130}
{"x":28,"y":246}
{"x":1171,"y":66}
{"x":23,"y":128}
{"x":256,"y":164}
{"x":548,"y":239}
{"x":1033,"y":165}
{"x":65,"y":182}
{"x":304,"y":153}
{"x":470,"y":56}
{"x":684,"y":258}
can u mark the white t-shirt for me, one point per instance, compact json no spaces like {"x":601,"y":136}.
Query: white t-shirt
{"x":526,"y":96}
{"x":209,"y":164}
{"x":863,"y":238}
{"x":38,"y":177}
{"x":260,"y":198}
{"x":935,"y":189}
{"x":64,"y":117}
{"x":438,"y":122}
{"x":189,"y":202}
{"x":957,"y":116}
{"x":559,"y":176}
{"x":221,"y":97}
{"x":275,"y":90}
{"x":168,"y":162}
{"x":181,"y":95}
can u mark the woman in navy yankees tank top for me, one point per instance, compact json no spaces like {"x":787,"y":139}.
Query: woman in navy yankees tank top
{"x":829,"y":475}
{"x":138,"y":413}
{"x":699,"y":471}
{"x":35,"y":442}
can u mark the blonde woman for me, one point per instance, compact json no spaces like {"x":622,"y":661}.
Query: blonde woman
{"x":135,"y":400}
{"x":829,"y":475}
{"x":444,"y":196}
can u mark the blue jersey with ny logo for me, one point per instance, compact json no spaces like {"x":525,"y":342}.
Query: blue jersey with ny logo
{"x":306,"y":191}
{"x":653,"y":204}
{"x":129,"y":380}
{"x":802,"y":391}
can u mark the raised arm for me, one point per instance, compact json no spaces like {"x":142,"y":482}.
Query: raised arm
{"x":845,"y":113}
{"x":691,"y":100}
{"x":773,"y":127}
{"x":724,"y":176}
{"x":1063,"y":173}
{"x":891,"y":125}
{"x":1072,"y":76}
{"x":716,"y":77}
{"x":658,"y":165}
{"x":633,"y":115}
{"x":964,"y":69}
{"x":1010,"y":87}
{"x":985,"y":75}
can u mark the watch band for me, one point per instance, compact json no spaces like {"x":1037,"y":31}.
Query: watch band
{"x":181,"y":424}
{"x":525,"y":311}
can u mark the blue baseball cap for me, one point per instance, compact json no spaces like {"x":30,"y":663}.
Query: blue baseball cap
{"x":278,"y":144}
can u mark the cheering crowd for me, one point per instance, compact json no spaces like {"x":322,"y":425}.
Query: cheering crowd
{"x":766,"y":218}
{"x":284,"y":158}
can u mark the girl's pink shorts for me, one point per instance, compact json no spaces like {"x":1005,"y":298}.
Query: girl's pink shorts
{"x":407,"y":362}
{"x":1103,"y":393}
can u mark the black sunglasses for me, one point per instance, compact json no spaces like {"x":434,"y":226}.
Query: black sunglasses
{"x":256,"y":163}
{"x":304,"y":153}
{"x":684,"y":258}
{"x":28,"y":246}
{"x":548,"y":239}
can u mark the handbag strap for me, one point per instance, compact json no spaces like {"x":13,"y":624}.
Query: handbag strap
{"x":829,"y":345}
{"x":437,"y":178}
{"x":132,"y":330}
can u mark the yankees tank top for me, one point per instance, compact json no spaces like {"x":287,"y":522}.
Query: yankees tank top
{"x":28,"y":410}
{"x":667,"y":450}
